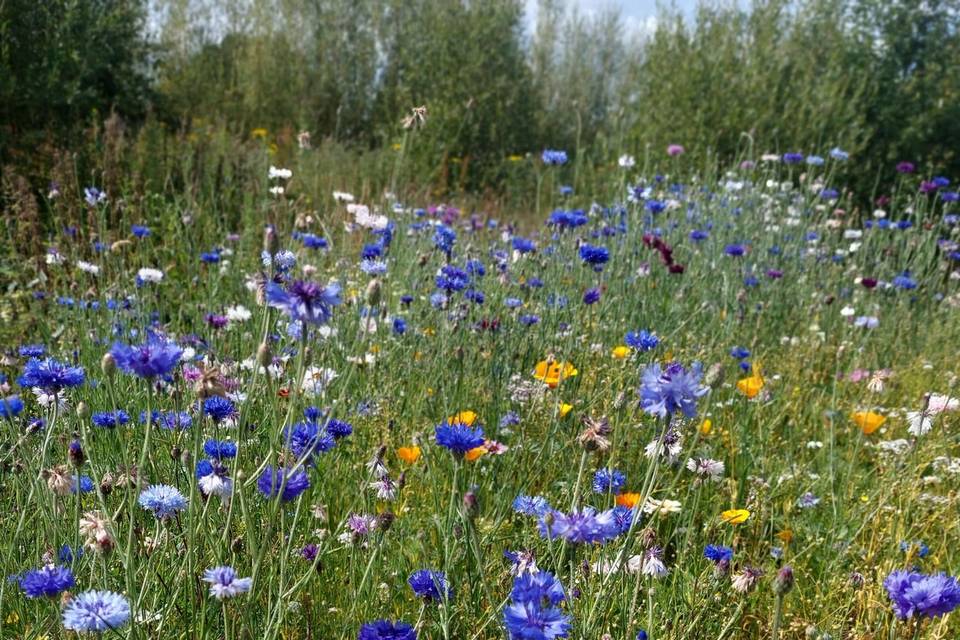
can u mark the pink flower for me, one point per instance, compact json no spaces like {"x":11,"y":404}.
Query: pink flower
{"x":675,"y":150}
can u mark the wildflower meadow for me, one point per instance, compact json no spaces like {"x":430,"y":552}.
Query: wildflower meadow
{"x":654,"y":404}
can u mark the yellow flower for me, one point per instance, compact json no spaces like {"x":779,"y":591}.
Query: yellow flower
{"x":514,"y":158}
{"x":13,"y":618}
{"x":786,"y":536}
{"x":475,"y":453}
{"x":466,"y":418}
{"x":259,"y":132}
{"x":628,"y":500}
{"x":706,"y":427}
{"x":409,"y":454}
{"x":552,"y":372}
{"x":868,"y":421}
{"x":735,"y":516}
{"x":396,"y":146}
{"x":565,"y":409}
{"x":750,"y":386}
{"x":621,"y":352}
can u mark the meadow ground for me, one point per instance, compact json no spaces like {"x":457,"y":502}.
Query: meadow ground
{"x":653,"y":406}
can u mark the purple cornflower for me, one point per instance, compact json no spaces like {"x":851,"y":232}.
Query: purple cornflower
{"x":430,"y":585}
{"x":608,"y":481}
{"x":580,"y":526}
{"x":387,"y":630}
{"x":224,"y":582}
{"x":642,"y":340}
{"x":46,"y":582}
{"x":285,"y":483}
{"x":305,"y":302}
{"x":154,"y":358}
{"x":595,"y":256}
{"x":917,"y":593}
{"x":663,"y":392}
{"x":591,"y":296}
{"x":50,"y":375}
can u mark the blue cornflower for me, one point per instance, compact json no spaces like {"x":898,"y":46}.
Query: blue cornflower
{"x":591,"y":296}
{"x":285,"y":260}
{"x":373,"y":267}
{"x":451,"y":278}
{"x":306,"y":439}
{"x":793,"y":158}
{"x":32,"y":351}
{"x":154,"y":358}
{"x":110,"y":419}
{"x":306,"y":302}
{"x":512,"y":303}
{"x":224,"y":582}
{"x":642,"y":340}
{"x":595,"y":256}
{"x":922,"y":550}
{"x":219,"y":409}
{"x":93,"y":196}
{"x":839,"y":154}
{"x":815,"y":161}
{"x":717,"y":553}
{"x":66,"y":555}
{"x":430,"y":585}
{"x":523,"y":245}
{"x":82,"y":484}
{"x":663,"y":392}
{"x":930,"y":595}
{"x":458,"y":437}
{"x":220,"y":449}
{"x":438,"y":300}
{"x":163,"y":500}
{"x":46,"y":582}
{"x":474,"y":295}
{"x":399,"y":326}
{"x":475,"y":268}
{"x":529,"y":319}
{"x":904,"y":281}
{"x":740,"y":353}
{"x":509,"y":419}
{"x":623,"y":518}
{"x":271,"y":479}
{"x":139,"y":230}
{"x":96,"y":611}
{"x":168,"y":420}
{"x":567,"y":219}
{"x":371,"y":251}
{"x":50,"y":375}
{"x":697,"y":235}
{"x":531,"y":505}
{"x":735,"y":250}
{"x":608,"y":481}
{"x":10,"y":406}
{"x":553,"y":157}
{"x":210,"y":257}
{"x":538,"y":588}
{"x":530,"y":621}
{"x":387,"y":630}
{"x":338,"y":428}
{"x":312,"y":241}
{"x":443,"y":238}
{"x":580,"y":526}
{"x":566,"y":190}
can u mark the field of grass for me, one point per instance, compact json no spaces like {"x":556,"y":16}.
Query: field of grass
{"x":653,"y":405}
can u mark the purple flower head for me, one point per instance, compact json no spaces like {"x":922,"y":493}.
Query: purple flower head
{"x":527,"y":620}
{"x":430,"y":585}
{"x":96,"y":611}
{"x":717,"y":553}
{"x":580,"y":526}
{"x":642,"y":340}
{"x":595,"y":256}
{"x":929,"y":595}
{"x":906,"y":167}
{"x":224,"y":582}
{"x":608,"y":481}
{"x":50,"y":375}
{"x":46,"y":582}
{"x":281,"y":482}
{"x":387,"y":630}
{"x":663,"y":392}
{"x":458,"y":437}
{"x":305,"y":302}
{"x":156,"y":357}
{"x":537,"y":588}
{"x":553,"y":157}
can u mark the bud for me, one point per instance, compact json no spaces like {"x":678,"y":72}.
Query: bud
{"x":470,"y":503}
{"x":384,"y":520}
{"x":270,"y":240}
{"x":373,"y":292}
{"x":83,"y":411}
{"x":783,"y":583}
{"x":75,"y":454}
{"x":264,"y":356}
{"x":108,"y":365}
{"x":106,"y":484}
{"x":856,"y":580}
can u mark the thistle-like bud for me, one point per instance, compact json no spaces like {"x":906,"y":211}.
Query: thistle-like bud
{"x":264,"y":356}
{"x":856,"y":580}
{"x":83,"y":410}
{"x":108,"y":365}
{"x":783,"y":583}
{"x":384,"y":520}
{"x":75,"y":454}
{"x":373,"y":292}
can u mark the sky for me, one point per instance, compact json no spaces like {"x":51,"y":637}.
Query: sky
{"x":638,"y":15}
